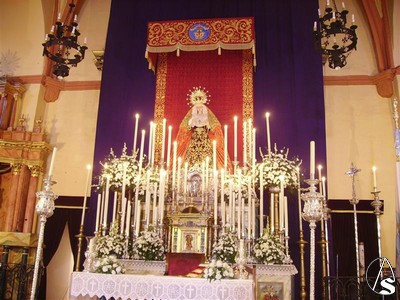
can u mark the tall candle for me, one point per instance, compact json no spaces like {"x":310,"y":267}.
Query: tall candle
{"x":154,"y":219}
{"x":319,"y":167}
{"x":123,"y":209}
{"x":282,"y":192}
{"x":285,"y":207}
{"x":162,"y":194}
{"x":222,"y":196}
{"x":141,"y":150}
{"x":153,"y":143}
{"x":323,"y":186}
{"x":235,"y":137}
{"x":207,"y":172}
{"x":98,"y":212}
{"x":215,"y":197}
{"x":147,"y":199}
{"x":226,"y":147}
{"x":164,"y":128}
{"x":231,"y":206}
{"x":137,"y":222}
{"x":150,"y":141}
{"x":268,"y":133}
{"x":214,"y":144}
{"x":135,"y":133}
{"x":261,"y":200}
{"x":312,"y":160}
{"x":254,"y":150}
{"x":128,"y":218}
{"x":105,"y":215}
{"x":249,"y":212}
{"x":250,"y":138}
{"x":114,"y":206}
{"x":169,"y":146}
{"x":53,"y":157}
{"x":174,"y":165}
{"x":178,"y":174}
{"x":185,"y":179}
{"x":89,"y":168}
{"x":203,"y":171}
{"x":271,"y":212}
{"x":244,"y":144}
{"x":299,"y":200}
{"x":239,"y":211}
{"x":374,"y":177}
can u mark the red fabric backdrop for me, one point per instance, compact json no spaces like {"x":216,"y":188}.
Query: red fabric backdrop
{"x":221,"y":75}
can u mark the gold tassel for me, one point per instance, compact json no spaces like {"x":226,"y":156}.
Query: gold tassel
{"x":146,"y":54}
{"x":219,"y":50}
{"x":178,"y":52}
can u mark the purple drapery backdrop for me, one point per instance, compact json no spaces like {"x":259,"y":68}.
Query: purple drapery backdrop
{"x":288,"y":80}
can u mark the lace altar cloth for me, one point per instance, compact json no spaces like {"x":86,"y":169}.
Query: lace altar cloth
{"x":157,"y":287}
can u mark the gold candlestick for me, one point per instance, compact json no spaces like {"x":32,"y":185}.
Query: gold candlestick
{"x":80,"y":237}
{"x":322,"y":243}
{"x":302,"y":244}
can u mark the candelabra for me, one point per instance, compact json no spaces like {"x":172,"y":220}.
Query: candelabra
{"x":241,"y":261}
{"x":80,"y":238}
{"x":354,"y":201}
{"x":44,"y":209}
{"x":312,"y":213}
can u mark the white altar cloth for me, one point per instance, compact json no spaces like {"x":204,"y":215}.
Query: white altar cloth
{"x":157,"y":287}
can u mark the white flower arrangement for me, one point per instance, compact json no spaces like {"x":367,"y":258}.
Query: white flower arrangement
{"x":269,"y":250}
{"x":109,"y":265}
{"x":113,"y":168}
{"x":275,"y":165}
{"x":148,"y":246}
{"x":217,"y":270}
{"x":111,"y":244}
{"x":225,"y":248}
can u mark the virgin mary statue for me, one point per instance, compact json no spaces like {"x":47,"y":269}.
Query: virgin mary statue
{"x":198,"y":130}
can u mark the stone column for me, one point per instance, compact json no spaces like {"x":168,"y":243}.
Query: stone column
{"x":31,"y":198}
{"x":16,"y":170}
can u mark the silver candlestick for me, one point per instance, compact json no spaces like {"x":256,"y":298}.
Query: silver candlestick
{"x":354,"y":201}
{"x":45,"y":209}
{"x":377,"y":205}
{"x":312,"y":213}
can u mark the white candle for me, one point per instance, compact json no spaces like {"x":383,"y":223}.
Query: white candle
{"x":89,"y":168}
{"x":123,"y":209}
{"x":323,"y":186}
{"x":214,"y":143}
{"x":261,"y":200}
{"x":374,"y":177}
{"x":215,"y":197}
{"x":250,"y":137}
{"x":138,"y":212}
{"x":148,"y":194}
{"x":105,"y":211}
{"x":312,"y":160}
{"x":271,"y":212}
{"x":249,"y":212}
{"x":315,"y":26}
{"x":207,"y":172}
{"x":178,"y":174}
{"x":353,"y":19}
{"x":114,"y":206}
{"x":185,"y":178}
{"x":128,"y":218}
{"x":135,"y":133}
{"x":153,"y":145}
{"x":281,"y":195}
{"x":141,"y":151}
{"x":254,"y":150}
{"x":244,"y":144}
{"x":53,"y":157}
{"x":239,"y":211}
{"x":343,"y":6}
{"x":169,"y":146}
{"x":164,"y":128}
{"x":231,"y":215}
{"x":285,"y":207}
{"x":299,"y":200}
{"x":203,"y":171}
{"x":98,"y":212}
{"x":174,"y":165}
{"x":154,"y":219}
{"x":222,"y":196}
{"x":85,"y":40}
{"x":162,"y":194}
{"x":150,"y":141}
{"x":235,"y":136}
{"x":268,"y":132}
{"x":319,"y":167}
{"x":226,"y":147}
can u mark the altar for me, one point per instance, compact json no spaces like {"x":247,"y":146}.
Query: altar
{"x":86,"y":285}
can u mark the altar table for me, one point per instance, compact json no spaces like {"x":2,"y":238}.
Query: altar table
{"x":94,"y":285}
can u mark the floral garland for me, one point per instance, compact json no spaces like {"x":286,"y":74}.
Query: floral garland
{"x":275,"y":165}
{"x":217,"y":270}
{"x":269,"y":250}
{"x":109,"y":265}
{"x":225,"y":248}
{"x":111,"y":244}
{"x":148,"y":246}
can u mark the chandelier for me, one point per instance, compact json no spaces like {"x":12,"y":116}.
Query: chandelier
{"x":332,"y":37}
{"x":61,"y":45}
